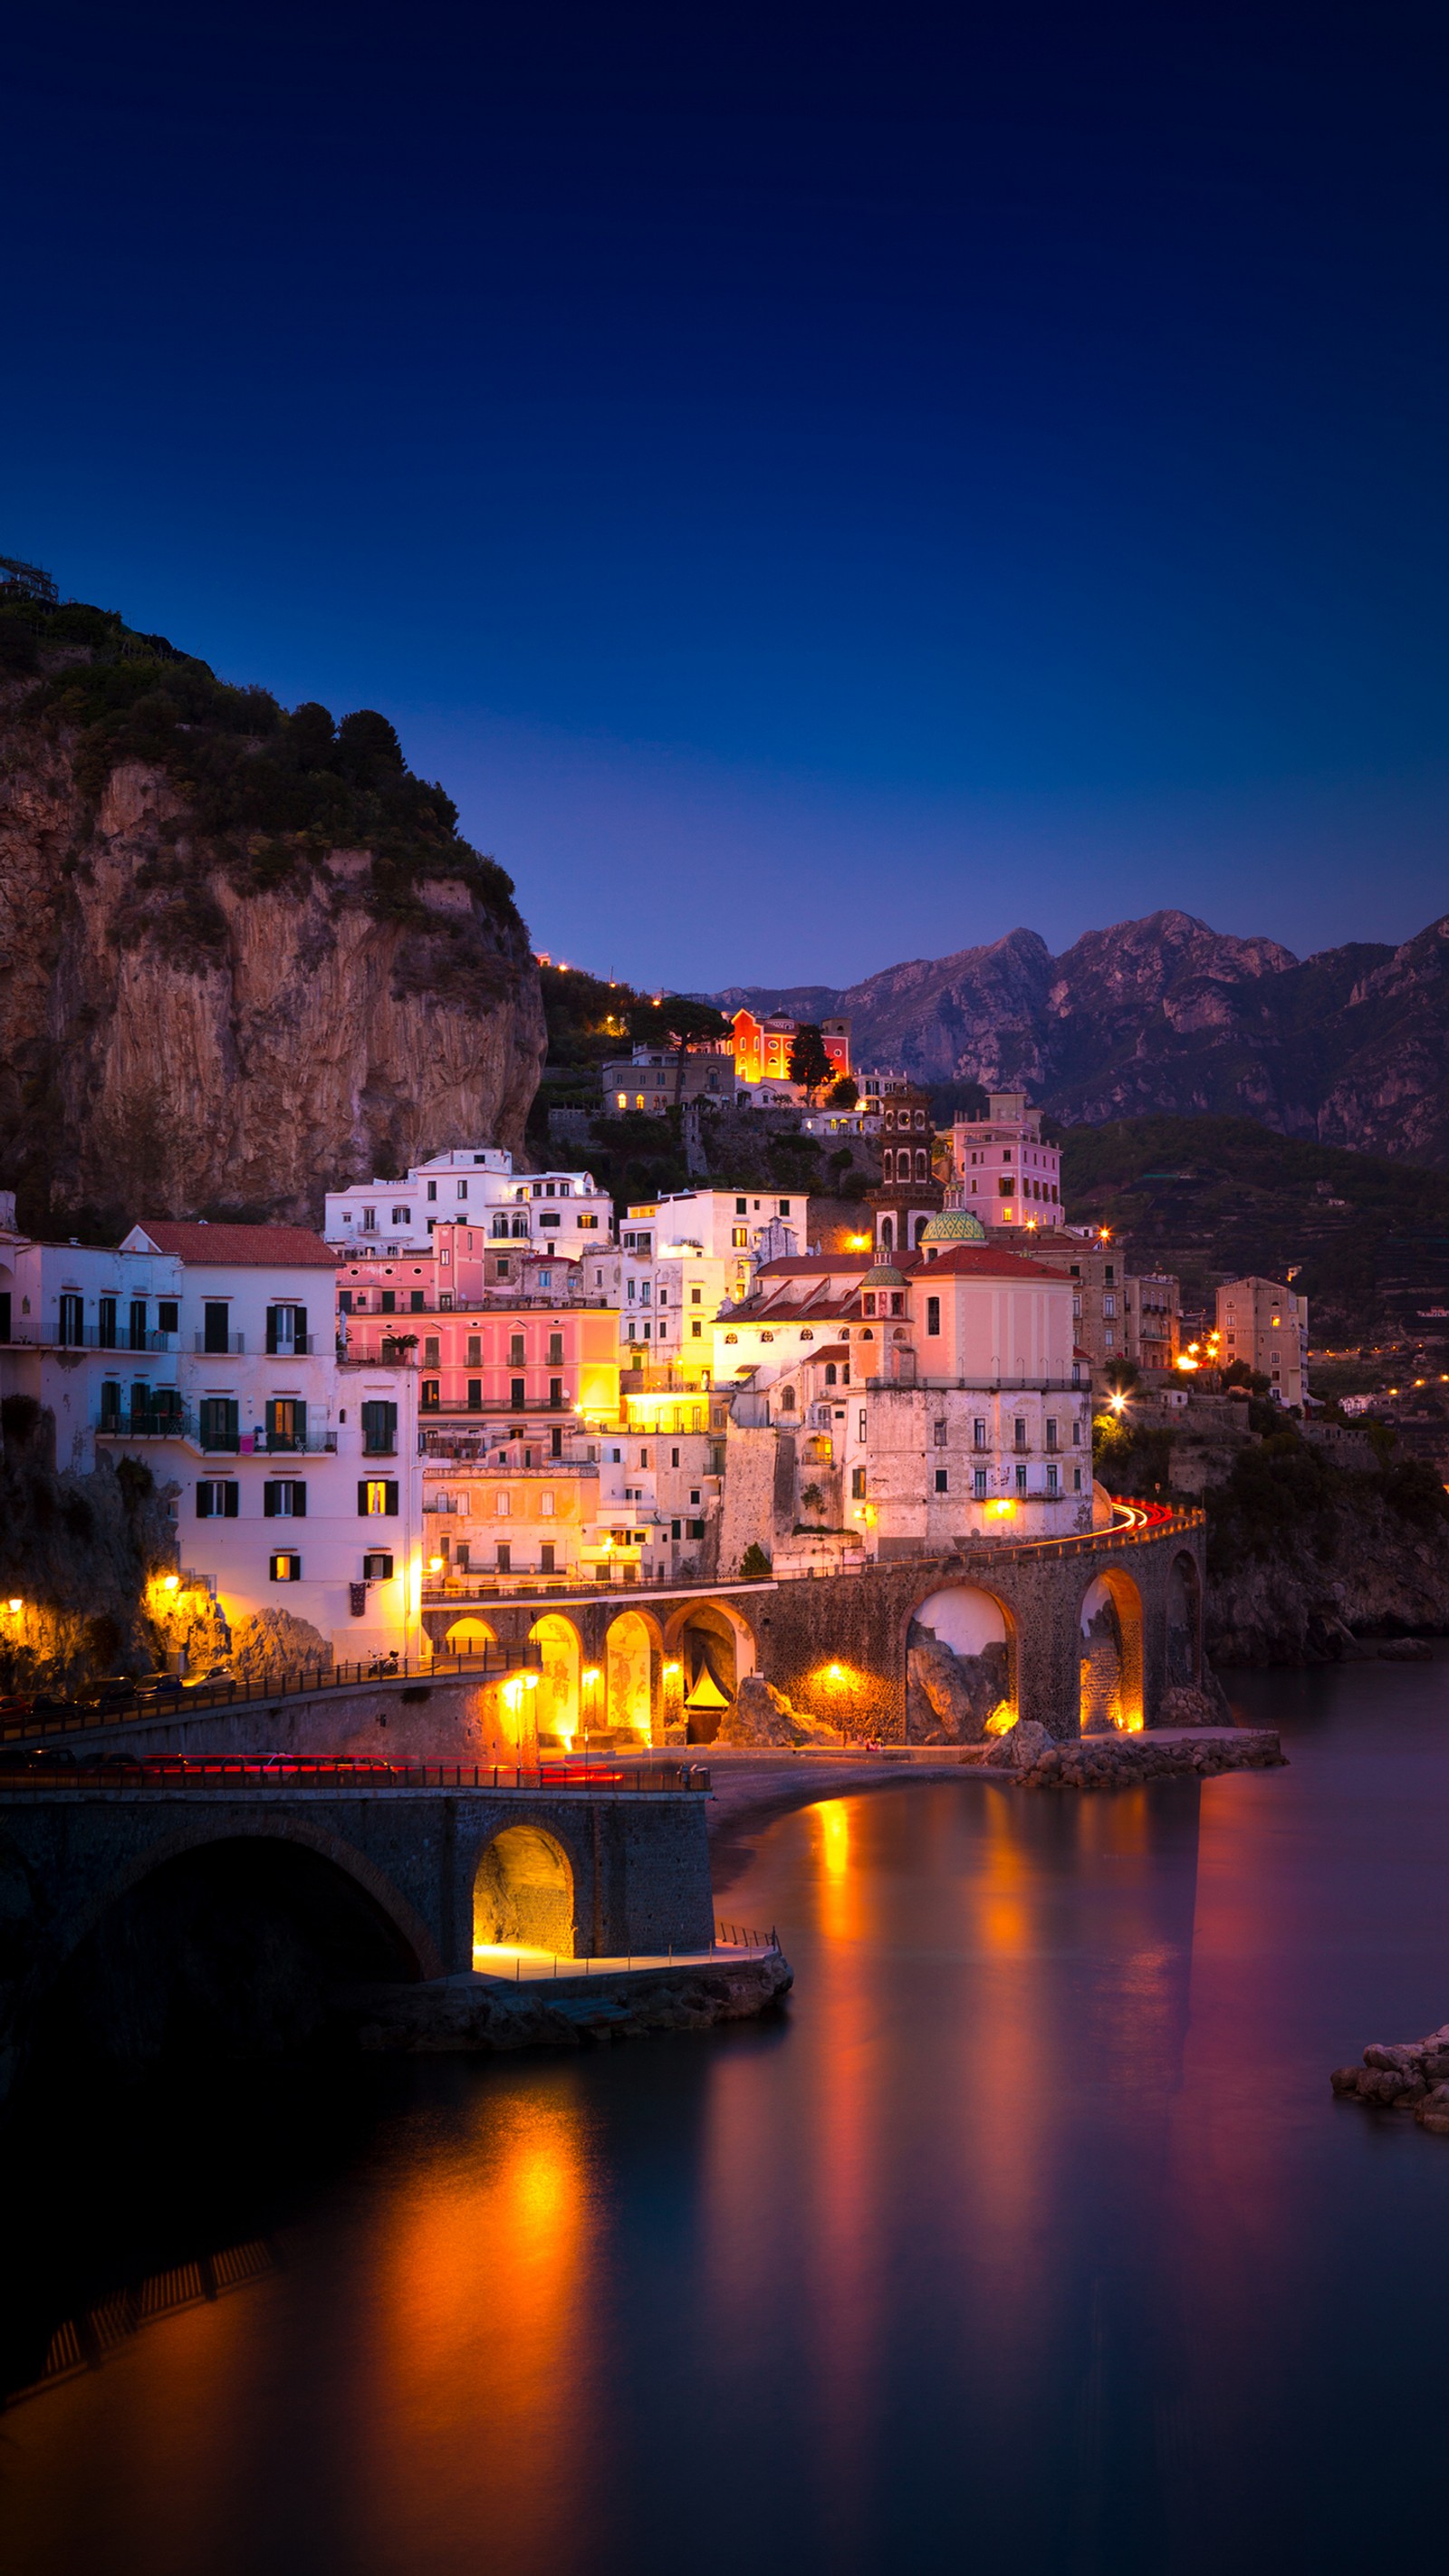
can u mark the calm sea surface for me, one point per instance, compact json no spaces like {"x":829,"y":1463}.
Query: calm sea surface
{"x":1029,"y":2235}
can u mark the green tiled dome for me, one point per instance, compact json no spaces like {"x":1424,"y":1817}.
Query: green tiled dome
{"x":955,"y":1225}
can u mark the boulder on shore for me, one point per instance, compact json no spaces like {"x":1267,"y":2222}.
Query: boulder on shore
{"x":763,"y":1716}
{"x":1403,"y":2075}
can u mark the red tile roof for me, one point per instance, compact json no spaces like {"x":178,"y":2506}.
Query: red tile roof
{"x":799,"y":1264}
{"x":831,"y":1351}
{"x":983,"y":1261}
{"x":252,"y":1247}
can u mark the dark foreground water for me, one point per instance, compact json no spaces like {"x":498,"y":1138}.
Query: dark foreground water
{"x":1030,"y":2236}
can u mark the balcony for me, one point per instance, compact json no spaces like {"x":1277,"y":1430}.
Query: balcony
{"x":220,"y":1346}
{"x":312,"y":1443}
{"x":92,"y":1337}
{"x":304,"y":1347}
{"x":151,"y":1422}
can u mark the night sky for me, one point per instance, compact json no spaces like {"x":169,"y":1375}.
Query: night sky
{"x":819,"y":485}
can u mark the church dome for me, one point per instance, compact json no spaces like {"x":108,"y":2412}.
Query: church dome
{"x":954,"y":1225}
{"x":883,"y":1276}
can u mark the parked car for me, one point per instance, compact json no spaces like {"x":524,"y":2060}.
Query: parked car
{"x":205,"y":1681}
{"x":111,"y":1694}
{"x":159,"y":1686}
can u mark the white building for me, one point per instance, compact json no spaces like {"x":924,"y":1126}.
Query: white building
{"x":92,"y":1333}
{"x":681,"y":1258}
{"x":296,"y":1473}
{"x":562,"y":1211}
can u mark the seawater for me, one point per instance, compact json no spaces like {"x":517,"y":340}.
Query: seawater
{"x":1028,"y":2235}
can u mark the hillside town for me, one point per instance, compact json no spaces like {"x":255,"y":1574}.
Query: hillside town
{"x":478,"y":1384}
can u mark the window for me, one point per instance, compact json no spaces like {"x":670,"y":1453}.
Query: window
{"x":106,"y":1328}
{"x":502,"y":1505}
{"x":432,"y":1350}
{"x":515,"y":1350}
{"x":387,"y":1302}
{"x":377,"y":1498}
{"x":923,"y":1169}
{"x":1020,"y":1433}
{"x":214,"y":1318}
{"x":1109,"y":1306}
{"x":1051,"y":1434}
{"x":432,"y":1189}
{"x":933,"y":1317}
{"x":416,"y":1301}
{"x":857,"y":1484}
{"x":694,"y":1529}
{"x":285,"y":1569}
{"x":402,"y":1216}
{"x":430,"y":1395}
{"x":546,"y":1557}
{"x":938,"y":1434}
{"x":219,"y":1422}
{"x":462,"y":1189}
{"x":555,"y":1443}
{"x":377,"y":1567}
{"x":740,"y":1238}
{"x":1076,"y":1480}
{"x":555,"y":1391}
{"x":505,"y":1557}
{"x":1076,"y":1435}
{"x":742,"y":1207}
{"x":1053,"y":1480}
{"x":555,"y":1350}
{"x":475,"y":1395}
{"x":545,"y":1507}
{"x":694,"y":1296}
{"x":696,"y":1332}
{"x":344,"y":1301}
{"x":978,"y":1433}
{"x":379,"y":1430}
{"x":978,"y":1484}
{"x":369,"y":1220}
{"x":217,"y":1499}
{"x":1021,"y":1480}
{"x":168,"y":1316}
{"x":860,"y":1428}
{"x":941,"y":1480}
{"x":1006,"y":1185}
{"x":516,"y":1395}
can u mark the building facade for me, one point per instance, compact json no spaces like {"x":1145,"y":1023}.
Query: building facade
{"x":1005,"y":1172}
{"x":561,"y":1211}
{"x":1267,"y":1326}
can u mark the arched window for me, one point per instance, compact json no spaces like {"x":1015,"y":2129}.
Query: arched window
{"x":807,"y":1337}
{"x":923,"y":1164}
{"x":887,"y":1234}
{"x":921,"y":1224}
{"x":520,"y":1226}
{"x":830,"y":1372}
{"x":888,"y":1165}
{"x":787,"y":1399}
{"x":867,"y":1303}
{"x":732,"y":1337}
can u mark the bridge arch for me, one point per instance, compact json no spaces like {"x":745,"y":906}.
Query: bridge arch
{"x":561,"y":1662}
{"x":708,"y":1650}
{"x":226,"y":1935}
{"x":1110,"y":1668}
{"x":523,"y":1893}
{"x":979,"y":1628}
{"x":633,"y":1674}
{"x":470,"y":1634}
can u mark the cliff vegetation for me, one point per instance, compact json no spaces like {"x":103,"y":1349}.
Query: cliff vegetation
{"x":246,"y":953}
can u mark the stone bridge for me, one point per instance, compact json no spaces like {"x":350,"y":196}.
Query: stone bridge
{"x":1084,"y":1632}
{"x":142,"y":1913}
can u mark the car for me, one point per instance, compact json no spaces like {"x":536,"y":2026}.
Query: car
{"x":45,"y":1704}
{"x":159,"y":1686}
{"x":111,"y":1694}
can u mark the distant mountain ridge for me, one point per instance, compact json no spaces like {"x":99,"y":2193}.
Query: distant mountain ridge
{"x":1168,"y":1016}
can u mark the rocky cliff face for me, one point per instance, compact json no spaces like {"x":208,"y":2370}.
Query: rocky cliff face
{"x":1167,"y":1015}
{"x":195,"y":1016}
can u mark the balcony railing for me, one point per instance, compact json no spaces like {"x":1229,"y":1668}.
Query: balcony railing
{"x":220,"y":1345}
{"x":315,"y":1441}
{"x":304,"y":1347}
{"x":148,"y":1422}
{"x":91,"y":1337}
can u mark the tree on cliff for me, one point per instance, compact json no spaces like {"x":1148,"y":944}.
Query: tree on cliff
{"x":810,"y":1066}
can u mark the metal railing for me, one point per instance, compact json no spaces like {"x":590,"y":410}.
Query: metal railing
{"x":328,"y":1772}
{"x":153,"y":1422}
{"x":741,"y":1936}
{"x":219,"y":1346}
{"x":281,"y":1682}
{"x":93,"y":1337}
{"x":315,"y":1442}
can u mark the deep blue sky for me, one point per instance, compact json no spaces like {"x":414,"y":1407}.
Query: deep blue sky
{"x":819,"y":485}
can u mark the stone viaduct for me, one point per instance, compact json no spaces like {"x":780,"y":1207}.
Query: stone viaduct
{"x":1093,"y":1630}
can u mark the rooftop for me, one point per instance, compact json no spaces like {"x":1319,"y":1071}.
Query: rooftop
{"x":257,"y":1247}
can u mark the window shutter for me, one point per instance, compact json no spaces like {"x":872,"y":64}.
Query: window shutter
{"x":230,"y":1502}
{"x":271,"y":1332}
{"x":299,"y":1326}
{"x":391,"y":1496}
{"x":299,"y":1502}
{"x":271,"y":1501}
{"x":362,"y":1497}
{"x":204,"y":1500}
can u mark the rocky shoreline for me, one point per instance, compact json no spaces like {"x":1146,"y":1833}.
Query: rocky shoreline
{"x":1402,"y":2075}
{"x":477,"y":2015}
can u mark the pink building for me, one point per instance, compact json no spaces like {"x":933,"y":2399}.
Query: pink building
{"x":1005,"y":1175}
